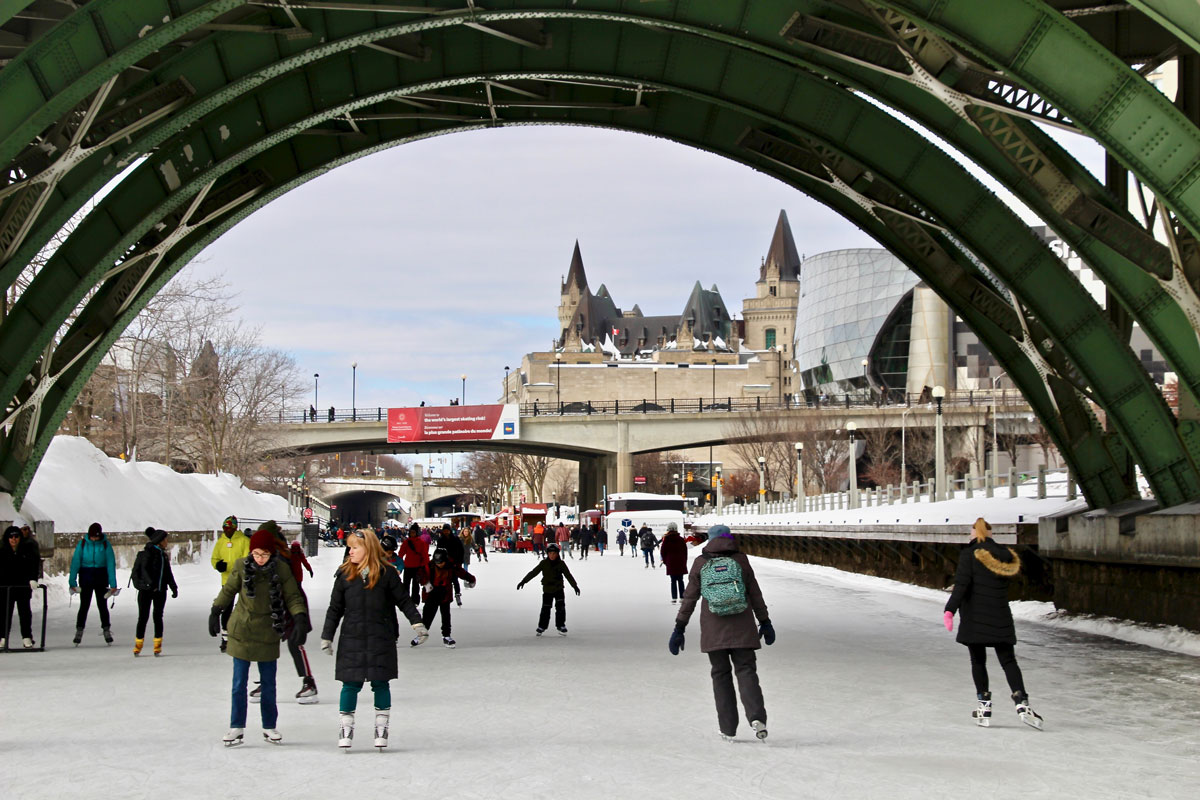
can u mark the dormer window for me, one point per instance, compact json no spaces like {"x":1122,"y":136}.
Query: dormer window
{"x":771,"y":290}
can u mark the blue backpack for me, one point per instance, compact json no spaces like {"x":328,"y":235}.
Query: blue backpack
{"x":721,"y":584}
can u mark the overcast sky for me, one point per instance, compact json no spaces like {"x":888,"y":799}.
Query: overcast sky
{"x":444,"y":257}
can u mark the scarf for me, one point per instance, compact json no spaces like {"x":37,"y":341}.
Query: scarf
{"x":274,"y":590}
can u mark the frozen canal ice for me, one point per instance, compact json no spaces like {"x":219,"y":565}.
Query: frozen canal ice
{"x":867,"y":696}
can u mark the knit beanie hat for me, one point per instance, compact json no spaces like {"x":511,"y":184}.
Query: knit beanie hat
{"x":157,"y":536}
{"x":263,"y":540}
{"x":94,"y":529}
{"x":149,"y":531}
{"x":719,"y":530}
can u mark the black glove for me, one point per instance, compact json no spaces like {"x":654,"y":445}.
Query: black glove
{"x":300,"y":629}
{"x":577,"y":591}
{"x":520,"y":585}
{"x":175,"y":593}
{"x":214,"y":622}
{"x":766,"y":632}
{"x":676,"y":643}
{"x":222,"y":566}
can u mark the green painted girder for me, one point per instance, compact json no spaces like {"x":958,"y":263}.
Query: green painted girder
{"x":1036,"y":45}
{"x":888,"y":122}
{"x":1180,"y":17}
{"x":213,"y":62}
{"x":1000,"y":341}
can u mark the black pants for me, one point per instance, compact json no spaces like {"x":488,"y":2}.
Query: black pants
{"x":92,"y":581}
{"x":743,"y":663}
{"x":437,"y":599}
{"x":676,"y":585}
{"x":145,"y":601}
{"x":412,"y":583}
{"x":558,"y":598}
{"x":20,"y":597}
{"x":1008,"y":662}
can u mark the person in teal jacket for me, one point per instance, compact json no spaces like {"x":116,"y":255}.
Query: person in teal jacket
{"x":93,"y":572}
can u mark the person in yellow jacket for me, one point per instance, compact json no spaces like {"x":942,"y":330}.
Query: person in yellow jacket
{"x":232,"y":547}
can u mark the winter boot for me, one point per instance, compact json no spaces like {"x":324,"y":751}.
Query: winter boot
{"x":78,"y":636}
{"x":346,"y":735}
{"x":158,"y":645}
{"x":234,"y":737}
{"x":307,"y":695}
{"x":983,"y":712}
{"x":273,"y":736}
{"x":448,"y":641}
{"x":760,"y":728}
{"x":256,"y":693}
{"x":108,"y":637}
{"x":382,"y":716}
{"x":137,"y":646}
{"x":1027,"y":714}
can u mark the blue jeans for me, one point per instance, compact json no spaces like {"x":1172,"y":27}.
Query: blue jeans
{"x":350,"y":689}
{"x":266,"y":679}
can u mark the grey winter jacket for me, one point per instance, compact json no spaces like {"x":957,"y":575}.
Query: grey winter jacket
{"x":737,"y":631}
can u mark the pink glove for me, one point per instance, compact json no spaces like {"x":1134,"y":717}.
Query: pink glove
{"x":948,"y":619}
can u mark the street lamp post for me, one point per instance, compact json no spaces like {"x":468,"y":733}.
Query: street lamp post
{"x":801,"y":492}
{"x":762,"y":485}
{"x":995,"y":449}
{"x":675,"y":483}
{"x":505,"y":383}
{"x":720,"y":487}
{"x":939,"y":489}
{"x":558,"y":379}
{"x":903,"y":421}
{"x":866,"y":380}
{"x":353,"y":391}
{"x":316,"y":386}
{"x":655,"y":370}
{"x":463,"y":401}
{"x":714,"y":383}
{"x":852,"y":466}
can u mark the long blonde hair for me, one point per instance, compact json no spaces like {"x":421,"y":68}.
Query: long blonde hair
{"x":982,"y":530}
{"x":372,"y":564}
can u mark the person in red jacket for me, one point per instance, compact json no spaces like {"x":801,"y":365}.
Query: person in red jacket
{"x":414,"y":553}
{"x":673,"y":552}
{"x":439,"y":589}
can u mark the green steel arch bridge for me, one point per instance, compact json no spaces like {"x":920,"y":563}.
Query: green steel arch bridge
{"x":209,"y":109}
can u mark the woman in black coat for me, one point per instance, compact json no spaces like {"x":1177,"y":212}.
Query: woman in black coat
{"x":980,"y":597}
{"x":20,"y":563}
{"x":365,"y":597}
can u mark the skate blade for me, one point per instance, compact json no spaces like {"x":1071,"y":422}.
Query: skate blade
{"x":983,"y":722}
{"x":234,"y":743}
{"x":307,"y":701}
{"x":1032,"y":722}
{"x":269,"y":740}
{"x":344,"y":747}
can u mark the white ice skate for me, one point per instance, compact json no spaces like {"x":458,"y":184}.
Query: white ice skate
{"x":727,"y":737}
{"x":346,"y":735}
{"x":273,"y":736}
{"x":1027,"y":714}
{"x":234,"y":737}
{"x":760,"y":729}
{"x":983,"y":711}
{"x":307,"y":695}
{"x":381,"y":728}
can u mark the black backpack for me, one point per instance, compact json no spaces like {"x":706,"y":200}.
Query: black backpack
{"x":140,"y":577}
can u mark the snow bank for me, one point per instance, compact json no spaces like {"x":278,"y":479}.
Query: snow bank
{"x":77,"y":484}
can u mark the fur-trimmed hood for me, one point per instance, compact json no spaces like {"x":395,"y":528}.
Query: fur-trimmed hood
{"x":1005,"y":569}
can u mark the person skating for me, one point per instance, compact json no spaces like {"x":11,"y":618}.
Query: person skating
{"x":266,"y":593}
{"x":440,"y":581}
{"x":723,"y":582}
{"x":366,"y":594}
{"x":19,"y":568}
{"x":414,"y":552}
{"x":553,"y":570}
{"x":152,"y":577}
{"x":389,"y":545}
{"x":562,"y":537}
{"x":232,"y":546}
{"x":481,"y":539}
{"x":980,"y":597}
{"x":587,"y":535}
{"x":621,"y":539}
{"x":293,"y":555}
{"x":648,"y":541}
{"x":674,"y":555}
{"x":93,"y":574}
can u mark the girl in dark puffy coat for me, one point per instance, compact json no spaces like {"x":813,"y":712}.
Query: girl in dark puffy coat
{"x":980,"y":597}
{"x":19,"y":567}
{"x":365,"y":597}
{"x":673,"y":552}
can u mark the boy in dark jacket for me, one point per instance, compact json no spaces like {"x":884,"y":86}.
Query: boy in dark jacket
{"x":553,"y":570}
{"x":439,"y":586}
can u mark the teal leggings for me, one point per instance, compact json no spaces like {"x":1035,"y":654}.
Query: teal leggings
{"x":350,"y":690}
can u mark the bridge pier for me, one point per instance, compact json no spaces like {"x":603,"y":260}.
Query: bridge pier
{"x":624,"y":461}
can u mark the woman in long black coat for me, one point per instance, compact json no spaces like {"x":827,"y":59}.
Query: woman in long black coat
{"x":365,"y":597}
{"x":980,"y":597}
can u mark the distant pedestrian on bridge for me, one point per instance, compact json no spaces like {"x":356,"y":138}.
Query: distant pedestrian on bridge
{"x":980,"y":597}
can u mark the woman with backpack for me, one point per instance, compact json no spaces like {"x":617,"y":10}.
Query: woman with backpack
{"x":980,"y":597}
{"x":723,"y":582}
{"x":93,"y":572}
{"x":152,"y":578}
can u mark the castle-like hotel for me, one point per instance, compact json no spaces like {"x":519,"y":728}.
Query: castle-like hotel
{"x":604,"y":353}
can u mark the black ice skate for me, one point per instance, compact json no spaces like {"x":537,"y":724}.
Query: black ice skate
{"x":983,"y":711}
{"x":760,"y":729}
{"x":562,"y":630}
{"x":108,"y":637}
{"x":78,"y":636}
{"x":540,"y":631}
{"x":256,"y":693}
{"x":448,"y":641}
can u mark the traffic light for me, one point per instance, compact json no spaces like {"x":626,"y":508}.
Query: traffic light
{"x":690,"y":476}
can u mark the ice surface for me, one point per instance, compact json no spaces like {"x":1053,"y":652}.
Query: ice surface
{"x":868,"y":697}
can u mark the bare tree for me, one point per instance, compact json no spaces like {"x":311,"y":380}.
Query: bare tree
{"x":491,"y":474}
{"x":881,"y":445}
{"x":658,"y":469}
{"x":532,"y":471}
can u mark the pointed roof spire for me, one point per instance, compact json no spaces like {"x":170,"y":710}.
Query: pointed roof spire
{"x":782,"y":252}
{"x":575,"y":275}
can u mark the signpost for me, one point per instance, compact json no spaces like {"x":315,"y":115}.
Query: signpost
{"x":639,"y":480}
{"x":308,"y":513}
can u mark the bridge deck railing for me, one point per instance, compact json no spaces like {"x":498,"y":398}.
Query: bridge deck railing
{"x":702,"y":405}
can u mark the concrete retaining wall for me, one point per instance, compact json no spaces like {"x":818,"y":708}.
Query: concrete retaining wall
{"x":185,"y":547}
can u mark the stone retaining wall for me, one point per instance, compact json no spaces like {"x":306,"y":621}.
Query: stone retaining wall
{"x":185,"y":547}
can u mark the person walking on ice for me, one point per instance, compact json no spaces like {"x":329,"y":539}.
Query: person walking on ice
{"x":723,"y":582}
{"x":266,"y":592}
{"x":152,"y":577}
{"x":553,"y":570}
{"x":980,"y":597}
{"x":366,"y":594}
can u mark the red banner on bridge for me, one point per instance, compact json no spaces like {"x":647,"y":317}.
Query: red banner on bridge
{"x":453,"y":423}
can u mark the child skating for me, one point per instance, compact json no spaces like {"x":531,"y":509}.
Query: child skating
{"x":553,"y":570}
{"x":439,"y":587}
